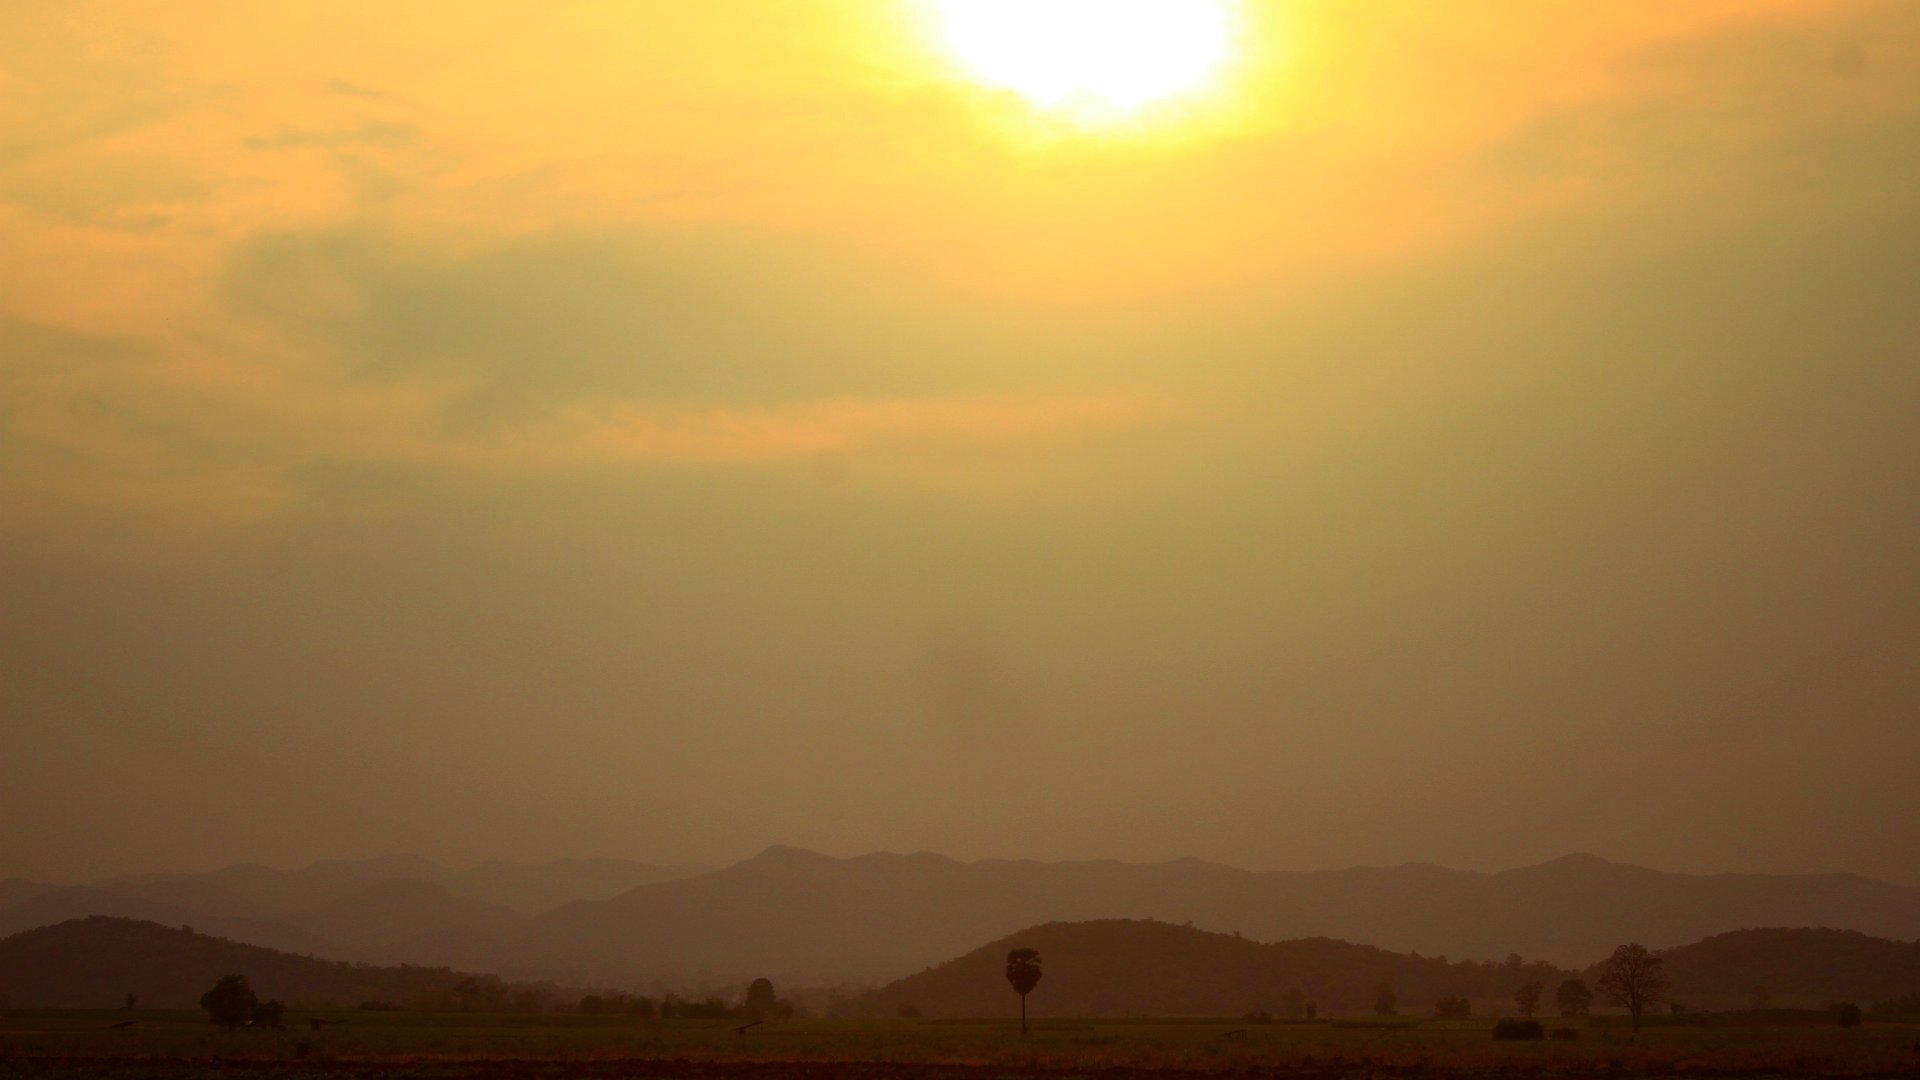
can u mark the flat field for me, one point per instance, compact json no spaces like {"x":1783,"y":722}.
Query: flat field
{"x":389,"y":1046}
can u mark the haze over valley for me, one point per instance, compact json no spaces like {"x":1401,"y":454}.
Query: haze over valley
{"x":812,"y":920}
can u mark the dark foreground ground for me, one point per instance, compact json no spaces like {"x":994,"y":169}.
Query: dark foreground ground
{"x":29,"y":1068}
{"x":182,"y":1046}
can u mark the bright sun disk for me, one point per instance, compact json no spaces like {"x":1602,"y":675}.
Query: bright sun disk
{"x":1089,"y":56}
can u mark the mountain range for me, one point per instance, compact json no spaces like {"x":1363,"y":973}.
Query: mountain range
{"x":804,"y":918}
{"x":391,"y":909}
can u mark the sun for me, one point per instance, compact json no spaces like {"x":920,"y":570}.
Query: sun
{"x":1092,"y":59}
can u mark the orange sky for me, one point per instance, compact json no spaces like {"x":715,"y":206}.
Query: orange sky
{"x":1457,"y":399}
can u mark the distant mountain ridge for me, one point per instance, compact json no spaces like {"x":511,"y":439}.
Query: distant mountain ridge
{"x":803,"y":918}
{"x":809,"y":918}
{"x":388,"y":909}
{"x":255,"y":891}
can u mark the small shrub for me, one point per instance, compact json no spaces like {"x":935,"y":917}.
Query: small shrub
{"x":1849,"y":1014}
{"x":231,"y":1002}
{"x":1385,"y":1002}
{"x":1453,"y":1007}
{"x":1566,"y":1033}
{"x":1518,"y":1029}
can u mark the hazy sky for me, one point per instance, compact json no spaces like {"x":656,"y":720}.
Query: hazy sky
{"x":1463,"y":432}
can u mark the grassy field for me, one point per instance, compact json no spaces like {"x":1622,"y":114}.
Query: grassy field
{"x":383,"y":1045}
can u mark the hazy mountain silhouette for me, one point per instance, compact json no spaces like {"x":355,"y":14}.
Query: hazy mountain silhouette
{"x":802,"y":917}
{"x":258,"y":891}
{"x":14,"y":890}
{"x":1805,"y":968}
{"x":408,"y":921}
{"x":58,"y":905}
{"x":95,"y":962}
{"x":1128,"y":967}
{"x":531,"y":888}
{"x":387,"y":909}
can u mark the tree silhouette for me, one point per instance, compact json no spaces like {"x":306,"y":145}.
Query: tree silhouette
{"x":761,"y":1002}
{"x":231,"y":1002}
{"x":1574,"y":998}
{"x":1385,"y":1003}
{"x":1528,"y":997}
{"x":1634,"y":978}
{"x":1023,"y":971}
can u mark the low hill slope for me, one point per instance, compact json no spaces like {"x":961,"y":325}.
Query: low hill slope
{"x":52,"y":906}
{"x":1129,"y":967}
{"x":1796,"y":967}
{"x":96,"y":962}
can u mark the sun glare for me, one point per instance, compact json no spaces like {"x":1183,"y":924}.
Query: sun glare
{"x":1094,"y":59}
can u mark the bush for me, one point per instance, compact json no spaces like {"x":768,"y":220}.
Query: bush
{"x":1849,"y":1014}
{"x":1453,"y":1007}
{"x":1385,"y":1003}
{"x":1519,"y":1030}
{"x":231,"y":1002}
{"x":1566,"y":1033}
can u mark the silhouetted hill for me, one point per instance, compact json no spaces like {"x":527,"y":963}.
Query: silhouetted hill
{"x":802,"y":917}
{"x":58,"y":905}
{"x":1127,"y":967}
{"x":95,"y":962}
{"x":1798,"y":968}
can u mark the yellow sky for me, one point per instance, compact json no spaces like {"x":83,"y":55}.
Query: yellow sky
{"x":158,"y":142}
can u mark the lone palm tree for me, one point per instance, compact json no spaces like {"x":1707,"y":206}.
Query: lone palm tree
{"x":1023,"y":971}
